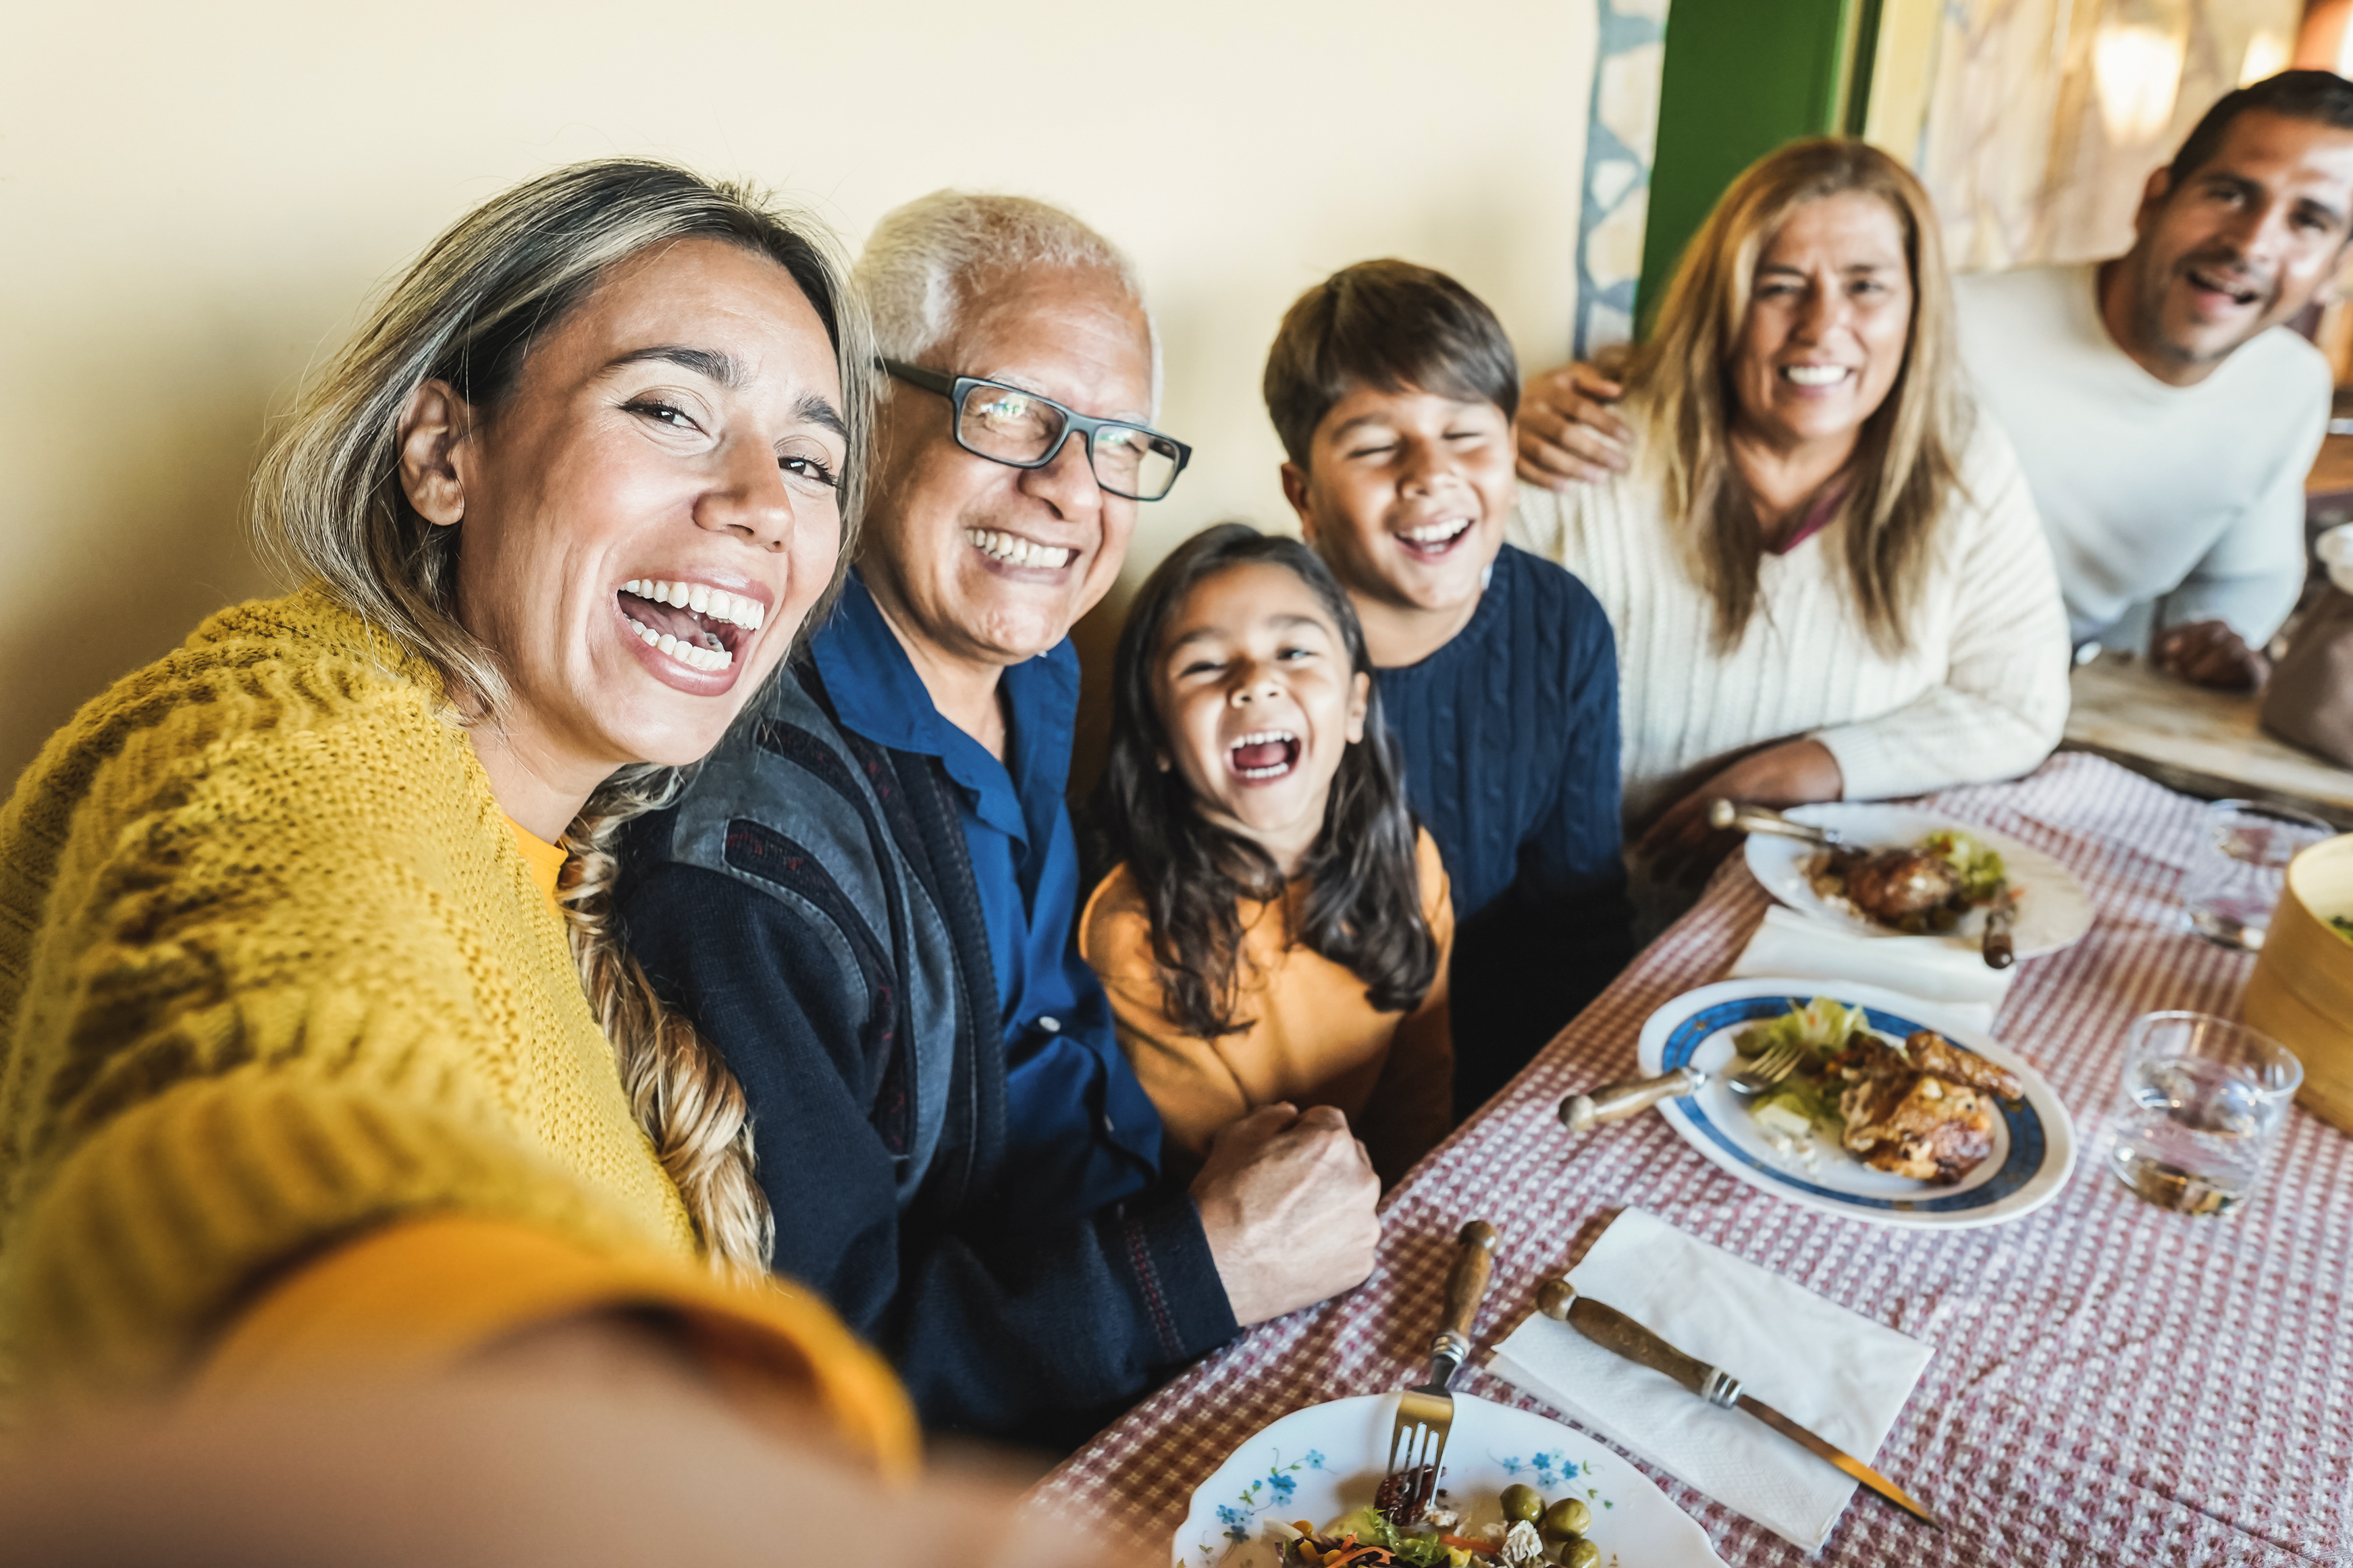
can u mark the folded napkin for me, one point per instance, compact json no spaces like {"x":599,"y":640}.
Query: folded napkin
{"x":1950,"y":975}
{"x":1840,"y":1376}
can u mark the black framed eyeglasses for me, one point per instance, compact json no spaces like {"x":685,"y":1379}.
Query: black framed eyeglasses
{"x":1022,"y":430}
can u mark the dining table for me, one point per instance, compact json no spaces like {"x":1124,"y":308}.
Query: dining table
{"x":2204,"y":742}
{"x":2111,"y":1382}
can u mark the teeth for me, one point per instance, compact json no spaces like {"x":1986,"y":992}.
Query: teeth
{"x":735,"y":609}
{"x":2231,"y":291}
{"x":1814,"y":375}
{"x":1437,"y":532}
{"x":1260,"y":738}
{"x":1016,"y":552}
{"x":693,"y":655}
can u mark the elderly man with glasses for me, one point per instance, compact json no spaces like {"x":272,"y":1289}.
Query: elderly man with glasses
{"x":866,"y":898}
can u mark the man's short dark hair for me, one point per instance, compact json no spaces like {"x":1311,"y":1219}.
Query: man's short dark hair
{"x":1390,"y":325}
{"x":2320,"y":96}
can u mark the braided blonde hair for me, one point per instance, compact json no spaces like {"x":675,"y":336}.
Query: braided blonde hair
{"x":680,"y":1087}
{"x":328,"y":510}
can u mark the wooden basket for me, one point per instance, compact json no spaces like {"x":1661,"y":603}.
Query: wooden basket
{"x":2301,"y":993}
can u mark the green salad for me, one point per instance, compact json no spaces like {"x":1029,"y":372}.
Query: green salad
{"x":1808,"y":1099}
{"x":1980,"y":868}
{"x":2342,"y":925}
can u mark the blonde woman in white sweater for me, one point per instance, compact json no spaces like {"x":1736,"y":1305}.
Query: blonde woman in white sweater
{"x":1826,"y":576}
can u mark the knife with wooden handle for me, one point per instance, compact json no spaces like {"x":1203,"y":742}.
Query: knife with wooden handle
{"x":1614,"y":1331}
{"x":2001,"y":948}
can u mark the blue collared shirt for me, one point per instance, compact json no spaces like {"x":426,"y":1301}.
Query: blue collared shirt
{"x":1081,"y":1134}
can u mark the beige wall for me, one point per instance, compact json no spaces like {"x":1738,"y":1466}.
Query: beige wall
{"x":195,"y":198}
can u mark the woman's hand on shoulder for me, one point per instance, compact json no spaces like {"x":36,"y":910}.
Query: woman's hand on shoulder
{"x":1681,"y":846}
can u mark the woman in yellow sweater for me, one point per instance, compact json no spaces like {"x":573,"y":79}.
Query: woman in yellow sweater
{"x":1277,"y":930}
{"x":319,"y":1058}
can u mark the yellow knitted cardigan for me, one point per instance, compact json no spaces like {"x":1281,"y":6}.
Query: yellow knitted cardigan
{"x":277,"y":984}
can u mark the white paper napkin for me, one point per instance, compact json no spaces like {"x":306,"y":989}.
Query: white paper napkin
{"x":1840,"y":1376}
{"x":1954,"y":978}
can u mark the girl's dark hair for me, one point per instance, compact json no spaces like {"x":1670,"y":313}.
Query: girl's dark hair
{"x":1363,"y":908}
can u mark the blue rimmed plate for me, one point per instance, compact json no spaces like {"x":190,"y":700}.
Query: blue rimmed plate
{"x":2033,"y":1141}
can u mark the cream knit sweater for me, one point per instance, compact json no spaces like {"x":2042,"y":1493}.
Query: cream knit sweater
{"x":1980,"y":694}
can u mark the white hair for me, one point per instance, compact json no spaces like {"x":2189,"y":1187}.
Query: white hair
{"x":917,"y":263}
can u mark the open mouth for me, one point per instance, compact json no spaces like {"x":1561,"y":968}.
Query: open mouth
{"x":1017,"y":551}
{"x":1263,"y":754}
{"x":1432,"y":539}
{"x":2205,"y":282}
{"x":701,"y":627}
{"x":1815,"y":374}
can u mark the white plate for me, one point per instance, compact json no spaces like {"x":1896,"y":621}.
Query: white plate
{"x":2053,"y":910}
{"x":2034,"y":1143}
{"x":1319,"y":1463}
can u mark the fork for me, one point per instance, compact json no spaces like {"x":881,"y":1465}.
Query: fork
{"x":1764,"y":1072}
{"x":1744,"y":817}
{"x":1425,"y":1411}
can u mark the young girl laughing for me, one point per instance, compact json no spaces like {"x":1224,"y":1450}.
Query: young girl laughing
{"x":1277,"y":929}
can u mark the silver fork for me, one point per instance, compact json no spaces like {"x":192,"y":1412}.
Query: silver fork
{"x":1764,"y":1072}
{"x":1425,"y":1411}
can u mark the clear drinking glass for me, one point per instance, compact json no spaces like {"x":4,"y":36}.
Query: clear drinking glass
{"x":2231,"y":889}
{"x":2204,"y":1100}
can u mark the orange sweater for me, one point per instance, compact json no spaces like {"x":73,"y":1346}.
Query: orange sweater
{"x":297,"y":1080}
{"x":1312,"y":1039}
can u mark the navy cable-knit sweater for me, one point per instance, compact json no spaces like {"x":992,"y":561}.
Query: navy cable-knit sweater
{"x":1510,"y":734}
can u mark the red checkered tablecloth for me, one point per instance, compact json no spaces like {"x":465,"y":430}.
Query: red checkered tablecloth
{"x":2112,"y":1383}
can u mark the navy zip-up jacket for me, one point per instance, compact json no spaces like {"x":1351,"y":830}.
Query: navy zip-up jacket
{"x":956,"y":1151}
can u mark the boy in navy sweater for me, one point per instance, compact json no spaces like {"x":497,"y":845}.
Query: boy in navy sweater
{"x":1393,"y":389}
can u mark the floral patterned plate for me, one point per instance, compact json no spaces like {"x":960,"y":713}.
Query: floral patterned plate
{"x":1319,"y":1463}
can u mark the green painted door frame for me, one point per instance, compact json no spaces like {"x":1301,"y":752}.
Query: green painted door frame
{"x":1740,"y":77}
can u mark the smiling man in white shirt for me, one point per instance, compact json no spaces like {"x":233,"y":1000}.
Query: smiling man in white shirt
{"x":2163,"y":413}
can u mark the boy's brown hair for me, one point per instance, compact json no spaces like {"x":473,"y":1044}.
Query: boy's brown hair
{"x":1388,"y":324}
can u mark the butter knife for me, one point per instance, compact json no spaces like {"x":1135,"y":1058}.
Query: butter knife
{"x":1614,"y":1331}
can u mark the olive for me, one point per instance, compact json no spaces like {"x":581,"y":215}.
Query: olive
{"x":1522,"y":1504}
{"x":1579,"y":1553}
{"x":1568,"y":1516}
